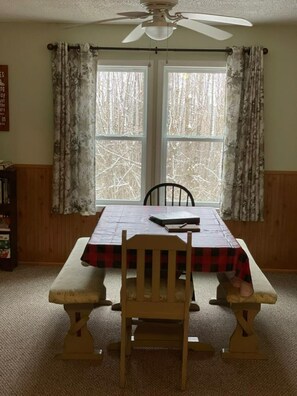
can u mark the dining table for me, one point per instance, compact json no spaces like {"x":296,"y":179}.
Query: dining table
{"x":214,"y":248}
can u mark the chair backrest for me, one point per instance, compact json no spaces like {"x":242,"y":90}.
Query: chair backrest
{"x":156,"y":295}
{"x":169,"y":194}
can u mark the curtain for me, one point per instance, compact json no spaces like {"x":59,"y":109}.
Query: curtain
{"x":243,"y":164}
{"x":74,"y":80}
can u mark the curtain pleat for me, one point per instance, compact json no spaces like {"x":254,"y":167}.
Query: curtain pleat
{"x":74,"y":90}
{"x":243,"y":164}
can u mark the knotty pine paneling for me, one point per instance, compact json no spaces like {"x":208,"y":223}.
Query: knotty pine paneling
{"x":273,"y":242}
{"x":44,"y":237}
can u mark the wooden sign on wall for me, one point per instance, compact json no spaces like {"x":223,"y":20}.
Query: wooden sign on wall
{"x":4,"y":104}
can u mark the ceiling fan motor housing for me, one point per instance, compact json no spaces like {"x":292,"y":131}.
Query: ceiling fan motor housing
{"x":155,"y":5}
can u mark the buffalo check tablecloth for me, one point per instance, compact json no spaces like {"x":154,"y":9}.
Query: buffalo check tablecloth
{"x":214,"y":248}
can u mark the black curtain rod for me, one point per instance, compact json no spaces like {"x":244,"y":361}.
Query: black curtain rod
{"x":228,"y":50}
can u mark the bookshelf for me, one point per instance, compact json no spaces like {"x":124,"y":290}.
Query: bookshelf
{"x":8,"y":219}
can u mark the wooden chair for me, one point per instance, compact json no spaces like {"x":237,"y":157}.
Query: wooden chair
{"x":156,"y":297}
{"x":169,"y":194}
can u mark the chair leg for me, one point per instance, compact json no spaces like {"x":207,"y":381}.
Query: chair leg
{"x":128,"y":336}
{"x":194,"y":307}
{"x":184,"y":354}
{"x":193,"y":295}
{"x":123,"y":353}
{"x":183,"y":276}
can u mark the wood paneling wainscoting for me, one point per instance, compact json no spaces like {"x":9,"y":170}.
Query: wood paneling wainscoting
{"x":273,"y":241}
{"x":44,"y":237}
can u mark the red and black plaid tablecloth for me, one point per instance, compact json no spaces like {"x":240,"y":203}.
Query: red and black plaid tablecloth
{"x":214,"y":247}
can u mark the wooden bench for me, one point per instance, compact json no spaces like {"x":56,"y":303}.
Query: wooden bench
{"x":80,"y":289}
{"x":244,"y":343}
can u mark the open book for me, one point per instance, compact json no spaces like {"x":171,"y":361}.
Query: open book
{"x":178,"y":217}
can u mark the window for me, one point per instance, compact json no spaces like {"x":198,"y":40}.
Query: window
{"x":121,"y":133}
{"x":192,"y":130}
{"x":170,"y":131}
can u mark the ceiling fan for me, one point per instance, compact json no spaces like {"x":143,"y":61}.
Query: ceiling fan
{"x":159,"y":24}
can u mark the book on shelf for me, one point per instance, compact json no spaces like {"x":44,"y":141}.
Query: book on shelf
{"x":178,"y":217}
{"x":4,"y":223}
{"x":4,"y":191}
{"x":4,"y":246}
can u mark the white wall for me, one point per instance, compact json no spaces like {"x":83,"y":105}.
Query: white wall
{"x":23,"y":49}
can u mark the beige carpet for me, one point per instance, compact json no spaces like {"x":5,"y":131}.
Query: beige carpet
{"x":32,"y":332}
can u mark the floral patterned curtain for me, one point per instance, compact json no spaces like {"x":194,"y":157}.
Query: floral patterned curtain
{"x":74,"y":79}
{"x":243,"y":165}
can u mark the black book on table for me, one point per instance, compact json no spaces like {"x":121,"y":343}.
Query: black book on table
{"x":178,"y":217}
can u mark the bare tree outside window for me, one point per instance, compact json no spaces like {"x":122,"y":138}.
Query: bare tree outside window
{"x":193,"y":129}
{"x":120,"y":132}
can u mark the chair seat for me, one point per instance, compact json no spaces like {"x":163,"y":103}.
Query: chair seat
{"x":179,"y":290}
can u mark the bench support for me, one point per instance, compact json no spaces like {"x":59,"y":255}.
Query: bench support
{"x":244,"y":343}
{"x":78,"y":343}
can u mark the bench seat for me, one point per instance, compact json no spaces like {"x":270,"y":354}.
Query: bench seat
{"x":80,"y":289}
{"x":244,"y":343}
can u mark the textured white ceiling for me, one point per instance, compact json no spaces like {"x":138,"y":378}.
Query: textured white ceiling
{"x":68,"y":11}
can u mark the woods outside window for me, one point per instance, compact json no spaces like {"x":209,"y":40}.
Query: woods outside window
{"x":159,"y":123}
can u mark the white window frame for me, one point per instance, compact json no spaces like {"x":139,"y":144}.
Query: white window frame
{"x":154,"y":142}
{"x":161,"y":145}
{"x":146,"y":139}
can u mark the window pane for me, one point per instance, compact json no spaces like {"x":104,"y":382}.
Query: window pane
{"x":118,"y":170}
{"x":196,"y":165}
{"x":196,"y":104}
{"x":120,"y":103}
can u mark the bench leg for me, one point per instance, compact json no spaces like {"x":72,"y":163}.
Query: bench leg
{"x":244,"y":343}
{"x":79,"y":343}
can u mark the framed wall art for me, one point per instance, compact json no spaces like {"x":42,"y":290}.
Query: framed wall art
{"x":4,"y":103}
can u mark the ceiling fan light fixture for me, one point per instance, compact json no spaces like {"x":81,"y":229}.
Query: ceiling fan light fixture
{"x":158,"y":30}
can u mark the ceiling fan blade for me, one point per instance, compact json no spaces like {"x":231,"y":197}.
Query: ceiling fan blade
{"x":135,"y":34}
{"x":217,"y":18}
{"x":208,"y":30}
{"x":134,"y":14}
{"x":111,"y":19}
{"x":74,"y":25}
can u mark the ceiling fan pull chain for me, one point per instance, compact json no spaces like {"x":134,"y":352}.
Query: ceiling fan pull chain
{"x":149,"y":57}
{"x":167,"y":51}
